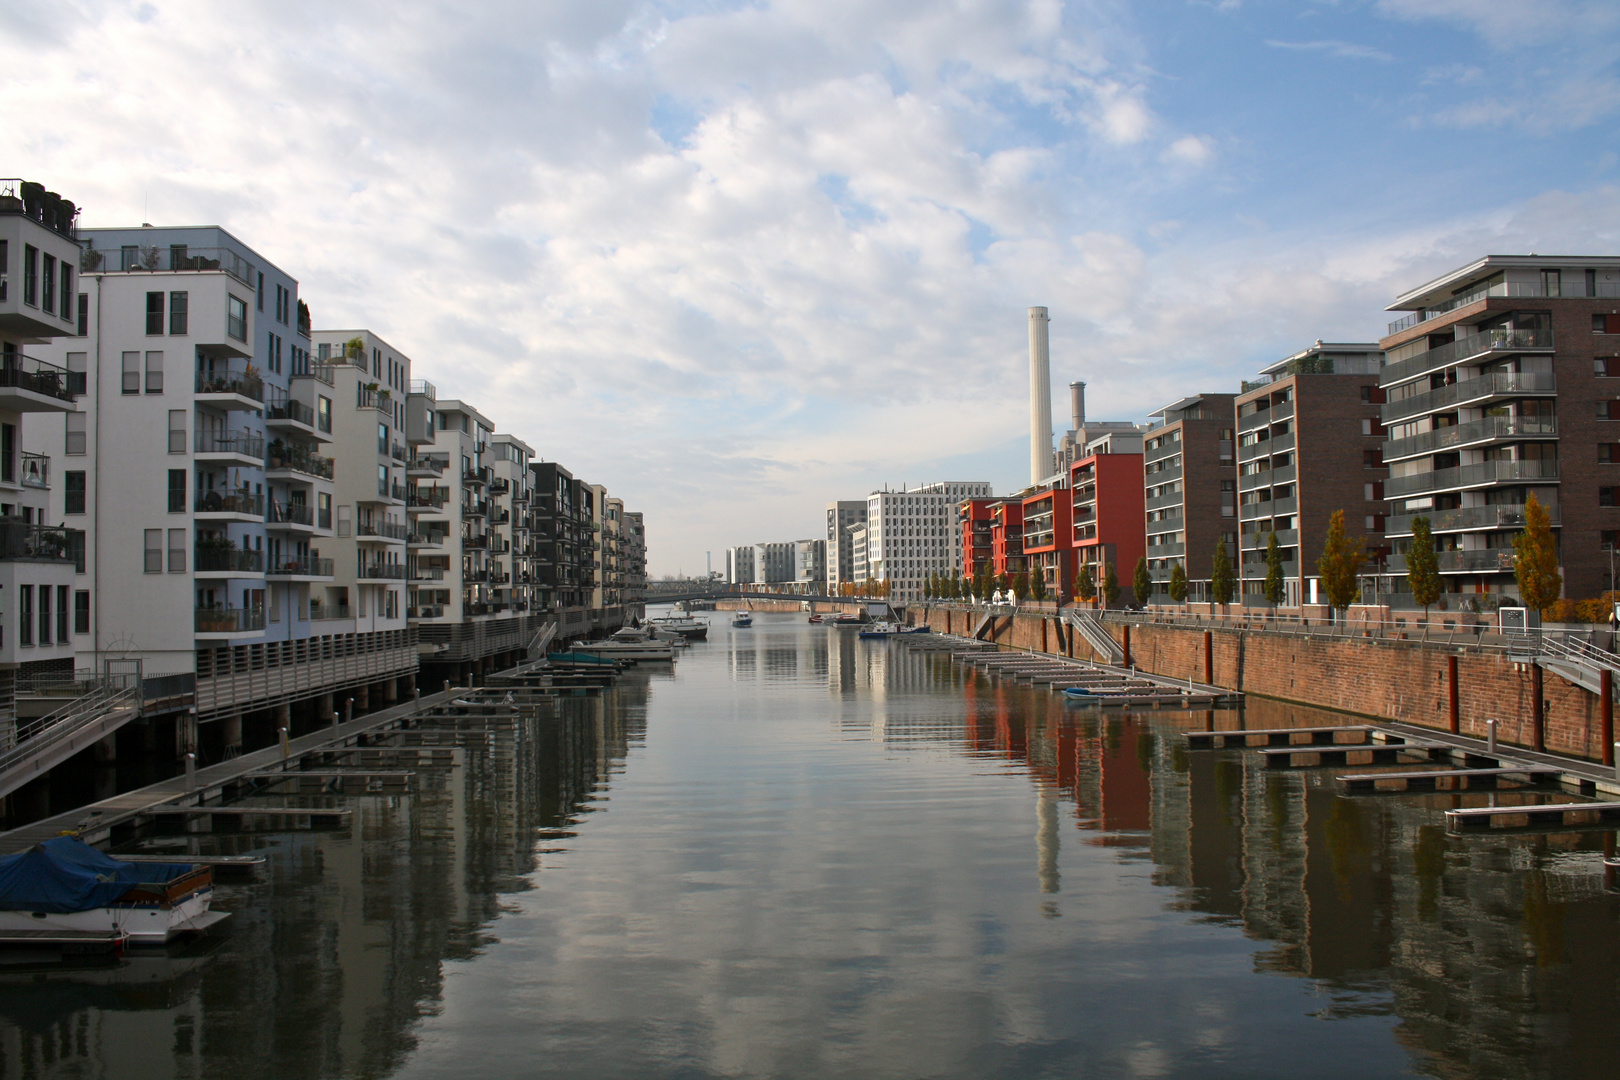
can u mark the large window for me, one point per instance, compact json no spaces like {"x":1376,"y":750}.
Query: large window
{"x":73,"y":492}
{"x":179,"y":308}
{"x":154,"y":373}
{"x":44,"y":614}
{"x":236,"y":318}
{"x":132,"y":372}
{"x":323,"y":414}
{"x":8,"y":453}
{"x":62,"y":634}
{"x":177,"y":491}
{"x":78,"y":380}
{"x":47,"y":283}
{"x":177,"y":551}
{"x":177,"y":431}
{"x":154,"y":313}
{"x":31,"y":275}
{"x":74,"y":440}
{"x":25,"y":614}
{"x":81,"y":612}
{"x":67,"y":309}
{"x":154,"y":551}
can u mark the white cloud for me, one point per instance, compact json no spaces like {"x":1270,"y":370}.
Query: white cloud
{"x":1190,"y":150}
{"x":1346,"y":49}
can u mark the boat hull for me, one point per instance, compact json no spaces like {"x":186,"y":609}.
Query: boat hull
{"x":145,"y":923}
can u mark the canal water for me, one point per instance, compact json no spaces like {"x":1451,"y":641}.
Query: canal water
{"x":800,"y":854}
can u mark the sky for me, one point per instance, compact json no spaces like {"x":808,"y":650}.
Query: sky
{"x":735,"y":260}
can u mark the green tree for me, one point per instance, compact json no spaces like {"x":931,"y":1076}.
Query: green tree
{"x":1341,"y":560}
{"x":1085,"y":586}
{"x":1535,"y":558}
{"x":1222,"y":582}
{"x":983,"y":581}
{"x":1423,"y":568}
{"x":1143,"y":585}
{"x":1037,"y":585}
{"x":1110,"y":586}
{"x":1003,"y":582}
{"x":1275,"y":587}
{"x":1178,"y":582}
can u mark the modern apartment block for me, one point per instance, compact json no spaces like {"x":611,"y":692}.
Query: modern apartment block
{"x":740,"y":565}
{"x":809,"y":564}
{"x":1106,"y":499}
{"x":1048,"y":534}
{"x":1503,"y":382}
{"x":973,"y":518}
{"x":773,"y":563}
{"x":912,"y":534}
{"x":563,"y":565}
{"x":1190,"y":490}
{"x":508,"y":491}
{"x":1310,"y":442}
{"x":841,"y":516}
{"x":1007,"y":537}
{"x":45,"y":594}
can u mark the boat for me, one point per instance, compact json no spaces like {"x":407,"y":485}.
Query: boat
{"x":816,"y":617}
{"x":684,"y":625}
{"x":63,"y":890}
{"x":647,"y":633}
{"x":880,"y":630}
{"x":848,"y":620}
{"x":625,"y":650}
{"x":742,"y":618}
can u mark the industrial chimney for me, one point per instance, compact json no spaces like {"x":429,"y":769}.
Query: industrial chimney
{"x":1040,"y":398}
{"x":1077,"y":408}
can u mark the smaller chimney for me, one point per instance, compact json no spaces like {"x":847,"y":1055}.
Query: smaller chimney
{"x":1077,"y":405}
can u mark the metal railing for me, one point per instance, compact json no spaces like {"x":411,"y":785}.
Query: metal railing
{"x":22,"y":372}
{"x":46,"y":208}
{"x":228,"y":620}
{"x":229,"y":502}
{"x":434,"y":463}
{"x":1463,"y":349}
{"x":211,"y":560}
{"x":298,"y":459}
{"x":327,"y":612}
{"x":1498,"y":384}
{"x":312,"y":566}
{"x":35,"y":738}
{"x":390,"y":530}
{"x":1475,"y":431}
{"x":167,"y":258}
{"x":1604,"y":289}
{"x":244,"y":443}
{"x":288,"y":409}
{"x":34,"y":470}
{"x":239,"y":383}
{"x":23,"y":540}
{"x":1468,"y":517}
{"x":381,"y":571}
{"x":1463,"y":476}
{"x":290,"y":513}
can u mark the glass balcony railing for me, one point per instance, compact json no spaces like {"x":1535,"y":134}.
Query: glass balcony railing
{"x":290,"y":513}
{"x":245,"y":443}
{"x":1475,"y":431}
{"x":213,"y":559}
{"x":1466,"y":476}
{"x":1497,"y":384}
{"x":229,"y":620}
{"x":25,"y":540}
{"x":224,"y":380}
{"x":1464,"y":349}
{"x":229,"y":502}
{"x":22,"y":372}
{"x":311,"y":566}
{"x":1575,"y":288}
{"x":1463,"y":519}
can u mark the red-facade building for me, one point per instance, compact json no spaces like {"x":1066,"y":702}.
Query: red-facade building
{"x":1007,"y":537}
{"x":1049,"y":535}
{"x":974,"y":516}
{"x":1108,"y":507}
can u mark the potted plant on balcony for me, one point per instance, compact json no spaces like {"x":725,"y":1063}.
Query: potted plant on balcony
{"x":278,"y":453}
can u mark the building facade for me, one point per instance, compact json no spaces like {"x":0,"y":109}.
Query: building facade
{"x":1190,"y":491}
{"x":841,"y":516}
{"x":913,"y":534}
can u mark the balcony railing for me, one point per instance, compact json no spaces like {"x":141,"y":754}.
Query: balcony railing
{"x":425,"y":388}
{"x":399,"y":453}
{"x":229,"y":620}
{"x":1576,"y":289}
{"x":245,"y":443}
{"x":298,"y":459}
{"x":1465,"y":476}
{"x":291,"y":513}
{"x":381,"y":571}
{"x":24,"y":540}
{"x":1466,"y":518}
{"x":166,"y":258}
{"x":214,"y":560}
{"x":23,"y":372}
{"x":316,"y":370}
{"x":325,"y":612}
{"x":425,"y":611}
{"x":306,"y":567}
{"x":1499,"y":384}
{"x":1463,"y":349}
{"x":428,"y":573}
{"x":228,"y":502}
{"x":434,"y":463}
{"x":288,"y":409}
{"x":1479,"y":561}
{"x":35,"y":470}
{"x":434,"y":498}
{"x":47,"y":208}
{"x":1475,"y":431}
{"x":386,"y":529}
{"x":498,"y":486}
{"x":227,"y":381}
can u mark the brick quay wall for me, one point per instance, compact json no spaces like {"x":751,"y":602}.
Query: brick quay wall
{"x":1407,"y":681}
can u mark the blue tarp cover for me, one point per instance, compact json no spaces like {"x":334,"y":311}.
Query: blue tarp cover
{"x":65,"y":874}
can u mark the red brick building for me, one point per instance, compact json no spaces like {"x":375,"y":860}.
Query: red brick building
{"x":973,"y":517}
{"x":1049,"y":535}
{"x":1007,"y":537}
{"x":1107,"y":508}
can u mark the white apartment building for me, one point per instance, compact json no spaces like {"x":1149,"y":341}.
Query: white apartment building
{"x":862,"y":566}
{"x":912,"y":534}
{"x":44,"y":593}
{"x":841,"y":516}
{"x":511,"y":577}
{"x":773,"y":563}
{"x":205,"y":482}
{"x":810,"y":563}
{"x":740,"y":565}
{"x":368,"y":380}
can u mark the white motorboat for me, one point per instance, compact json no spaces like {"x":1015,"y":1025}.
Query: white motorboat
{"x":684,"y":625}
{"x":63,"y":890}
{"x":648,"y":633}
{"x":626,"y":650}
{"x":742,"y":618}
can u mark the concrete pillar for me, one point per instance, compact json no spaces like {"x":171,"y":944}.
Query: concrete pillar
{"x":1606,"y":682}
{"x":390,"y":691}
{"x":326,"y":708}
{"x":1127,"y":635}
{"x":185,"y":735}
{"x":1538,"y":714}
{"x":362,"y":697}
{"x":1455,"y":699}
{"x":105,"y":751}
{"x":283,"y":715}
{"x":1209,"y":658}
{"x":230,"y":729}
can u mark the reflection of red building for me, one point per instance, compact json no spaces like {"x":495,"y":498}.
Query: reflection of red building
{"x":1007,"y":537}
{"x":974,"y":518}
{"x":1049,"y":535}
{"x":1108,"y":508}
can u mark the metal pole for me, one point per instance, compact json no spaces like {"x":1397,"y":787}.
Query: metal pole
{"x":1490,"y":735}
{"x":191,"y":772}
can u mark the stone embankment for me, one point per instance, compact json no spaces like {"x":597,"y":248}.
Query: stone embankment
{"x":1447,"y":687}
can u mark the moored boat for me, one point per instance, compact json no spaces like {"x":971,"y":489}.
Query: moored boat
{"x":625,"y":650}
{"x":65,"y":887}
{"x":684,"y":625}
{"x":742,"y":618}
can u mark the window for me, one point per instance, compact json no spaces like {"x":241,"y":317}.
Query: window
{"x":81,"y":612}
{"x":132,"y":372}
{"x":84,"y":311}
{"x":179,"y":306}
{"x":1372,"y":459}
{"x":44,"y":614}
{"x":75,"y":545}
{"x":236,"y":318}
{"x":177,"y":431}
{"x":47,"y":281}
{"x":31,"y":275}
{"x":25,"y":614}
{"x":74,"y":441}
{"x":344,"y":519}
{"x":5,"y":266}
{"x":1550,"y":282}
{"x":177,"y":551}
{"x":73,"y":492}
{"x":154,"y":373}
{"x":177,"y":491}
{"x":382,"y":438}
{"x":154,"y":313}
{"x":323,"y":414}
{"x":1606,"y":324}
{"x":8,"y":453}
{"x":67,"y":292}
{"x":154,"y":551}
{"x":260,"y":296}
{"x":1606,"y":496}
{"x":78,"y":380}
{"x":382,"y":480}
{"x":62,"y":614}
{"x":1608,"y":453}
{"x":323,"y":511}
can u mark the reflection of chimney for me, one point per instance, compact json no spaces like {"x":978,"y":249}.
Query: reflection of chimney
{"x":1077,"y":405}
{"x":1040,"y":398}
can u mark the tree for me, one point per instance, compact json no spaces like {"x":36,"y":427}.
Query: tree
{"x":1535,"y":558}
{"x":1423,"y":568}
{"x":1037,"y":585}
{"x":1178,"y":582}
{"x":1222,"y":582}
{"x":1143,"y":585}
{"x":1275,"y":587}
{"x":1003,"y":582}
{"x":1085,"y":586}
{"x":1020,"y":584}
{"x":1110,"y":586}
{"x":1341,"y":559}
{"x":983,"y":581}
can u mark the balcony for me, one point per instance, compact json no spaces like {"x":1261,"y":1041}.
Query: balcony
{"x":311,"y":568}
{"x":329,"y":612}
{"x":381,"y":530}
{"x":1468,"y":391}
{"x":1257,"y":541}
{"x":1473,"y":433}
{"x":1477,"y":561}
{"x":1165,"y":551}
{"x":241,"y":505}
{"x":1465,"y":349}
{"x":287,"y":459}
{"x":290,"y":517}
{"x":289,"y":415}
{"x":222,"y":559}
{"x":242,"y":448}
{"x":474,"y":508}
{"x":228,"y":622}
{"x":433,"y":499}
{"x":425,"y":611}
{"x":1482,"y":474}
{"x":380,"y":571}
{"x":23,"y":540}
{"x":426,"y":539}
{"x":374,"y":397}
{"x":398,"y":452}
{"x":34,"y":471}
{"x":316,"y":370}
{"x":1466,"y":519}
{"x":1174,"y":498}
{"x":424,"y":388}
{"x":230,"y":387}
{"x":29,"y":385}
{"x":428,"y":573}
{"x":499,"y":486}
{"x":472,"y":478}
{"x":167,"y":258}
{"x":1605,"y":289}
{"x":427,"y":466}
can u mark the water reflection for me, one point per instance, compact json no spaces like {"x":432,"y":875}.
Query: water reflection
{"x":803,"y":854}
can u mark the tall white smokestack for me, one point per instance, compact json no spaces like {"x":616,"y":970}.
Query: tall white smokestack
{"x":1077,"y":406}
{"x":1040,"y":397}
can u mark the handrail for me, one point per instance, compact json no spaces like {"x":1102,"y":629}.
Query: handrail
{"x":31,"y":739}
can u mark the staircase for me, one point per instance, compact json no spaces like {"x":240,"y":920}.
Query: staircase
{"x":984,"y":626}
{"x":38,"y":746}
{"x":541,"y":643}
{"x":1096,"y":634}
{"x":1579,"y":661}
